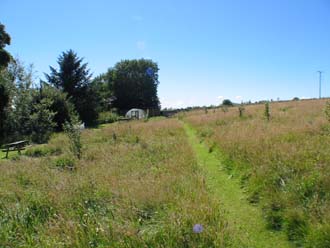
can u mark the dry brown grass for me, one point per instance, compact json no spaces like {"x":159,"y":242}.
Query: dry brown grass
{"x":137,"y":185}
{"x":284,"y":162}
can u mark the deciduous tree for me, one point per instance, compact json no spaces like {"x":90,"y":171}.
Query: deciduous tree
{"x":135,"y":84}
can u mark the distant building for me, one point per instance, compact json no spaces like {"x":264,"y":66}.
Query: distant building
{"x":136,"y":114}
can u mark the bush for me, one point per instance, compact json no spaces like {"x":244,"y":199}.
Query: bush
{"x":65,"y":162}
{"x":241,"y":110}
{"x":220,"y":122}
{"x":273,"y":214}
{"x":267,"y":111}
{"x":296,"y":226}
{"x":42,"y":121}
{"x":41,"y":151}
{"x":60,"y":105}
{"x":107,"y":117}
{"x":73,"y":132}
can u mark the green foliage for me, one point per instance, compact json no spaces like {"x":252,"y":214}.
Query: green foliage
{"x":319,"y":237}
{"x":107,"y":117}
{"x":327,"y":111}
{"x":4,"y":40}
{"x":206,"y":132}
{"x":103,"y":87}
{"x":241,"y":110}
{"x":60,"y":104}
{"x":133,"y":87}
{"x":33,"y":113}
{"x":127,"y":195}
{"x":73,"y":131}
{"x":284,"y":164}
{"x":18,"y":122}
{"x":274,"y":215}
{"x":227,"y":102}
{"x":296,"y":226}
{"x":64,"y":162}
{"x":74,"y":78}
{"x":6,"y":93}
{"x":42,"y":150}
{"x":267,"y":111}
{"x":42,"y":121}
{"x":212,"y":147}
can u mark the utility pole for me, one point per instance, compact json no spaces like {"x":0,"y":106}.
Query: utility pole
{"x":320,"y":82}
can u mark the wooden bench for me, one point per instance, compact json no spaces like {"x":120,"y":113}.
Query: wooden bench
{"x":15,"y":146}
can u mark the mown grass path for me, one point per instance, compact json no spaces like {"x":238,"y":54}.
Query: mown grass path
{"x":244,"y":218}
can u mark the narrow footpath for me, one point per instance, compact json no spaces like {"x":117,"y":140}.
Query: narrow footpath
{"x":246,"y":219}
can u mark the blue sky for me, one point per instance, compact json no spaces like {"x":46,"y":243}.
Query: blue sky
{"x":206,"y":49}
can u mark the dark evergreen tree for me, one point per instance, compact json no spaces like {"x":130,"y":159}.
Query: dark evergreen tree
{"x":4,"y":40}
{"x":73,"y":78}
{"x":5,"y":82}
{"x":5,"y":94}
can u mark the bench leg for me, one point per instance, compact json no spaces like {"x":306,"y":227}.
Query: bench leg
{"x":19,"y":151}
{"x":7,"y":152}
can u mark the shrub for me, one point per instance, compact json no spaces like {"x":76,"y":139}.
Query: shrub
{"x":267,"y":111}
{"x":273,"y":215}
{"x":107,"y":117}
{"x":220,"y":122}
{"x":73,"y":132}
{"x":296,"y":226}
{"x":42,"y":121}
{"x":41,"y":151}
{"x":64,"y":162}
{"x":60,"y":105}
{"x":212,"y":147}
{"x":241,"y":110}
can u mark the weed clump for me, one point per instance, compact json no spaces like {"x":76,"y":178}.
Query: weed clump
{"x":241,"y":110}
{"x":42,"y":151}
{"x":327,"y":111}
{"x":274,"y":216}
{"x":267,"y":111}
{"x":64,"y":162}
{"x":296,"y":226}
{"x":73,"y":131}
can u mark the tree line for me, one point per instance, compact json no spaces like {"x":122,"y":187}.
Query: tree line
{"x":33,"y":110}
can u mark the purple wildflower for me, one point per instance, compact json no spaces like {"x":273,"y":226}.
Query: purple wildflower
{"x":198,"y":228}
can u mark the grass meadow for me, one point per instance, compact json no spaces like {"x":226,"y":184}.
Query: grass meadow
{"x":137,"y":185}
{"x":282,"y":163}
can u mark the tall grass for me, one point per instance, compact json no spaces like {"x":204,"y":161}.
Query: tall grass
{"x":142,"y":188}
{"x":284,"y":163}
